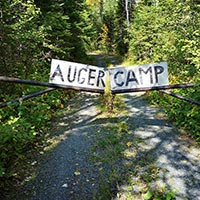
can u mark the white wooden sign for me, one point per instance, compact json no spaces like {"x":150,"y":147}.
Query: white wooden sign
{"x":77,"y":75}
{"x":92,"y":78}
{"x":140,"y":76}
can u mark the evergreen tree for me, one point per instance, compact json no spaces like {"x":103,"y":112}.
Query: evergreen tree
{"x":74,"y":10}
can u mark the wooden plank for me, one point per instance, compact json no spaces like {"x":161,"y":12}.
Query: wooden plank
{"x":77,"y":75}
{"x":139,"y":76}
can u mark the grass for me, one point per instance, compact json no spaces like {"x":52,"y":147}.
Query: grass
{"x":126,"y":172}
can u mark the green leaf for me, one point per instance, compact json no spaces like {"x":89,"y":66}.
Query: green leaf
{"x":148,"y":195}
{"x":170,"y":196}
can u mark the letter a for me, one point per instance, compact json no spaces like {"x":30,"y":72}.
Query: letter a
{"x":131,"y":77}
{"x":57,"y":72}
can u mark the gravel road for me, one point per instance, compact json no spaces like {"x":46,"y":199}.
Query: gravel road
{"x":176,"y":156}
{"x":67,"y":172}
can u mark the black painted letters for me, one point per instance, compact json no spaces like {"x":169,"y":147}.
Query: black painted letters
{"x":115,"y":79}
{"x":131,"y":77}
{"x":57,"y":72}
{"x":158,"y":70}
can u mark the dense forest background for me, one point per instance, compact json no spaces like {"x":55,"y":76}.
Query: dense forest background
{"x":32,"y":32}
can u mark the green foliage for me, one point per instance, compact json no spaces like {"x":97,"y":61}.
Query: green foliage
{"x":155,"y":195}
{"x":109,"y":26}
{"x":183,"y":114}
{"x":32,"y":33}
{"x":108,"y":150}
{"x":120,"y":30}
{"x":148,"y":195}
{"x":20,"y":37}
{"x":23,"y":125}
{"x":104,"y":40}
{"x":169,"y":31}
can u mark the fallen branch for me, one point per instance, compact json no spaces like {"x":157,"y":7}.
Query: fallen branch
{"x":180,"y":97}
{"x":46,"y":84}
{"x":18,"y":100}
{"x":165,"y":87}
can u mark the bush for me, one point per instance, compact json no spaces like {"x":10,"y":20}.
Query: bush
{"x":24,"y":126}
{"x":169,"y":32}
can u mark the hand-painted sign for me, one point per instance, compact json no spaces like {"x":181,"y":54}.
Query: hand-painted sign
{"x":126,"y":78}
{"x":91,"y":78}
{"x":77,"y":75}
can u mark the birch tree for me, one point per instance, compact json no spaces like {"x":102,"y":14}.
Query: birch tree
{"x":127,"y":12}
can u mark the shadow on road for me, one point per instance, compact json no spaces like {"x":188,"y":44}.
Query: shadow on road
{"x":159,"y":159}
{"x":66,"y":171}
{"x":161,"y":148}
